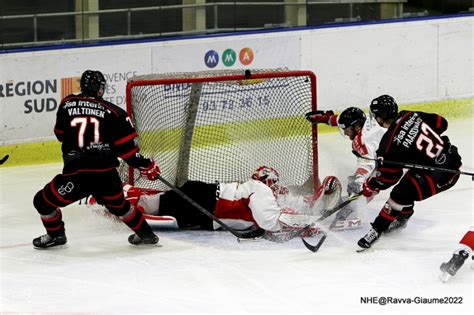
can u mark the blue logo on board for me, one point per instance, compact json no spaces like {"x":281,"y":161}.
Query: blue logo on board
{"x":211,"y":59}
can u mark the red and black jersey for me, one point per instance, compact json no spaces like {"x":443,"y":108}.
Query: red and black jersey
{"x":414,"y":137}
{"x":94,"y":132}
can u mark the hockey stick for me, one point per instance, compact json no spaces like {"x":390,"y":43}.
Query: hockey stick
{"x":329,"y":212}
{"x":379,"y":162}
{"x":314,"y":248}
{"x":251,"y":234}
{"x":4,"y":159}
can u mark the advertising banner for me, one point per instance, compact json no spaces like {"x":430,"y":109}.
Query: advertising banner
{"x":280,"y":50}
{"x":33,"y":84}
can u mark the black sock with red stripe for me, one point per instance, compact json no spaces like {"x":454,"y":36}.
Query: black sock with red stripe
{"x":135,"y":220}
{"x":405,"y":214}
{"x":385,"y":218}
{"x":53,"y":223}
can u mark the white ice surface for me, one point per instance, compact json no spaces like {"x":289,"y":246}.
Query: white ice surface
{"x":210,"y":272}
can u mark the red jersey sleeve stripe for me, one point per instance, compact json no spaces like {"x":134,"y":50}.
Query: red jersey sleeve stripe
{"x":439,"y":121}
{"x":389,"y":170}
{"x":129,"y":154}
{"x":125,"y":139}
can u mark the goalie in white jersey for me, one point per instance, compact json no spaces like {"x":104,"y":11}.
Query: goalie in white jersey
{"x":365,"y":134}
{"x":252,"y":204}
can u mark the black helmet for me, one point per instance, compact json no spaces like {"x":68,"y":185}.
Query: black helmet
{"x":91,"y":82}
{"x":351,"y":116}
{"x":384,"y":107}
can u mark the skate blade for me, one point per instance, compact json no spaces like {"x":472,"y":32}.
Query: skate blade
{"x":244,"y":240}
{"x":444,"y":277}
{"x":52,"y":247}
{"x":146,"y":245}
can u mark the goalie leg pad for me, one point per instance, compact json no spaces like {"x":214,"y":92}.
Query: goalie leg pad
{"x":346,"y":219}
{"x":344,"y":225}
{"x":327,"y":196}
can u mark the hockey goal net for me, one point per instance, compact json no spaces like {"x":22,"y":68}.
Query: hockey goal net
{"x":222,"y":125}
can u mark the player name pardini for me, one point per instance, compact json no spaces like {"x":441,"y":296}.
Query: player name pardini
{"x":79,"y":111}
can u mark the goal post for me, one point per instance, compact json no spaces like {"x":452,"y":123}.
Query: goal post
{"x":221,"y":125}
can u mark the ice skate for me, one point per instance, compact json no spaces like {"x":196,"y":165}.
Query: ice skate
{"x":150,"y":239}
{"x":368,"y":240}
{"x":47,"y":241}
{"x":449,"y":269}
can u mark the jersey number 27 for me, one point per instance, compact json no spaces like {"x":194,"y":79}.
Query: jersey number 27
{"x":429,"y":141}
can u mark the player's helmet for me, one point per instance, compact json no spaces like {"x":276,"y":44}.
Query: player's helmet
{"x":351,"y":116}
{"x":91,"y":82}
{"x":384,"y":107}
{"x":267,"y":175}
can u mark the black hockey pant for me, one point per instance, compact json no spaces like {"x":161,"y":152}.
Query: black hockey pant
{"x":414,"y":186}
{"x":104,"y":186}
{"x":185,"y":213}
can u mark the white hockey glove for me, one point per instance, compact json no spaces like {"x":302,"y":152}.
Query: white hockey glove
{"x":354,"y":184}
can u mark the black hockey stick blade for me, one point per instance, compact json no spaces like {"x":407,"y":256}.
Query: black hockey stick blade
{"x":315,"y":248}
{"x":5,"y":158}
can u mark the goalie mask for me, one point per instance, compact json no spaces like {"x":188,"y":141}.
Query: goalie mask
{"x":267,"y":175}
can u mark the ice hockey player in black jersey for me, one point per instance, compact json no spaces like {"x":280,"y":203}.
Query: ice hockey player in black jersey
{"x":412,"y":137}
{"x":93,"y":133}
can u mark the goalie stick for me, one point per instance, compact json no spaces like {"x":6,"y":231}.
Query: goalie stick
{"x":329,"y":212}
{"x":4,"y":159}
{"x":250,"y":234}
{"x":379,"y":162}
{"x":314,"y":248}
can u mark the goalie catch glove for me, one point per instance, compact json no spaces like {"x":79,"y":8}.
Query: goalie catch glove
{"x":319,"y":116}
{"x":151,"y":171}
